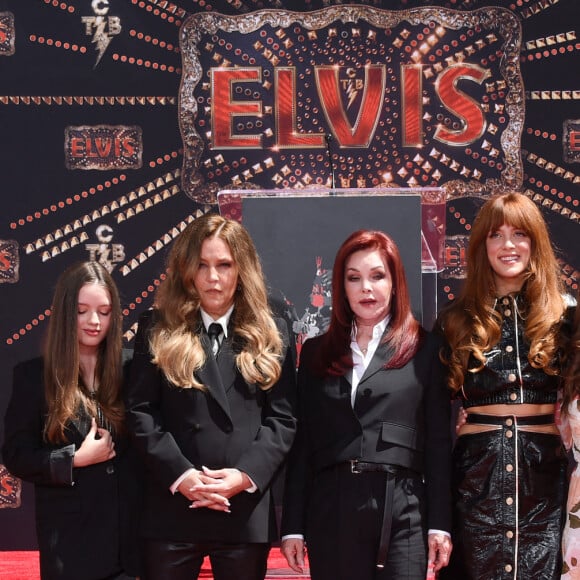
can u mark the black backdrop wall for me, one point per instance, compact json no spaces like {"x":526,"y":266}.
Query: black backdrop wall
{"x":92,"y":156}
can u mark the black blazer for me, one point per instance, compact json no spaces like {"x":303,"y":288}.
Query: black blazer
{"x":400,"y":417}
{"x":87,"y":517}
{"x":229,"y":424}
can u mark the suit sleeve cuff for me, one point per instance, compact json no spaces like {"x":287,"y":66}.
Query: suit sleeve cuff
{"x":175,"y":484}
{"x":439,"y":532}
{"x":61,"y":465}
{"x":253,"y":488}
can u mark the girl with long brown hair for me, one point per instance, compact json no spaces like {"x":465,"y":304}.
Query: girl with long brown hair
{"x":64,"y":432}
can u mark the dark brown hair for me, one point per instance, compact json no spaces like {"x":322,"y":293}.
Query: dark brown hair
{"x":64,"y":395}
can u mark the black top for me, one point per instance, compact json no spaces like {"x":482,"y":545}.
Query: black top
{"x":508,"y":377}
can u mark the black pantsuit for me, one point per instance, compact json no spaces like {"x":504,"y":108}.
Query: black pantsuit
{"x":400,"y":423}
{"x":228,"y":424}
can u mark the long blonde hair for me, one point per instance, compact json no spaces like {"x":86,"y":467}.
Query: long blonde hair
{"x":64,"y":392}
{"x":471,"y":324}
{"x":174,"y":340}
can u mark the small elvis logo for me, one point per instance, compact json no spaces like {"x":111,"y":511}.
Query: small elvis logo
{"x":571,"y":140}
{"x":101,"y":27}
{"x":10,"y":488}
{"x":103,"y":147}
{"x":7,"y":34}
{"x":9,"y":261}
{"x":455,"y":256}
{"x":105,"y":252}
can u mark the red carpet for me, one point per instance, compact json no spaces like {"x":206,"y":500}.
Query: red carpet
{"x":24,"y":566}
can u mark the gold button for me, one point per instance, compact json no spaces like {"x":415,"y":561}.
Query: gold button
{"x":512,"y":377}
{"x":505,"y":301}
{"x":510,"y":422}
{"x":509,"y":467}
{"x":507,"y":312}
{"x":509,"y":348}
{"x":509,"y":434}
{"x":508,"y":568}
{"x":513,"y":397}
{"x":509,"y":534}
{"x":509,"y":500}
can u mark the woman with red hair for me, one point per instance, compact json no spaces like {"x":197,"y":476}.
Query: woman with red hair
{"x":368,"y":475}
{"x":506,"y":333}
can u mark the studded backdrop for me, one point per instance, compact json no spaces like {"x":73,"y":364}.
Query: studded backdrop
{"x":121,"y":120}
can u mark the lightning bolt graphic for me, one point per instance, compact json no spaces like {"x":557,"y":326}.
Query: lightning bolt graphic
{"x":101,"y":39}
{"x":351,"y":93}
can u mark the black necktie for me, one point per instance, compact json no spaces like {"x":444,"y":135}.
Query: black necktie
{"x":214,"y":332}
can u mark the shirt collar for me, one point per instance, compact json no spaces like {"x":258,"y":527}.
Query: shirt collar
{"x":378,"y":329}
{"x":223,"y":321}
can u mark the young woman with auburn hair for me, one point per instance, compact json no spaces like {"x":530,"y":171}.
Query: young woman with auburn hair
{"x":505,"y":335}
{"x":367,"y":483}
{"x":64,"y":432}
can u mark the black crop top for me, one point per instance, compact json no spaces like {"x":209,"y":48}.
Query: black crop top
{"x":508,"y":377}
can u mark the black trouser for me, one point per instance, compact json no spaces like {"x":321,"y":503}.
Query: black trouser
{"x":182,"y":560}
{"x":346,"y":523}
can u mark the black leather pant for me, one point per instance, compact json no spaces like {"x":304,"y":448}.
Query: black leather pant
{"x":165,"y":560}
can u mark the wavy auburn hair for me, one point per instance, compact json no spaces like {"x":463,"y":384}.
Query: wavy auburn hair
{"x":404,"y":332}
{"x":64,"y":391}
{"x":174,"y":340}
{"x":472,"y":325}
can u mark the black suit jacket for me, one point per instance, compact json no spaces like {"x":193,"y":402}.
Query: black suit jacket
{"x":400,"y":417}
{"x":229,"y":424}
{"x":87,"y":517}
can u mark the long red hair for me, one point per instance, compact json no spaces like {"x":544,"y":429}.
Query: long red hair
{"x":404,"y":332}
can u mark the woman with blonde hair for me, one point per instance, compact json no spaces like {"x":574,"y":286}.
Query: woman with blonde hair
{"x":210,"y":403}
{"x":506,"y":332}
{"x":64,"y":432}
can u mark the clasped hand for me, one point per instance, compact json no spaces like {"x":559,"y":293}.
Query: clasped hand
{"x":212,"y":488}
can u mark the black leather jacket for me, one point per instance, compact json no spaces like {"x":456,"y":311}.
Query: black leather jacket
{"x":508,"y":377}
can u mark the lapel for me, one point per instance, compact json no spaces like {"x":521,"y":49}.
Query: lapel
{"x":343,"y":385}
{"x":215,"y":376}
{"x":381,"y":356}
{"x":377,"y":363}
{"x":227,"y":364}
